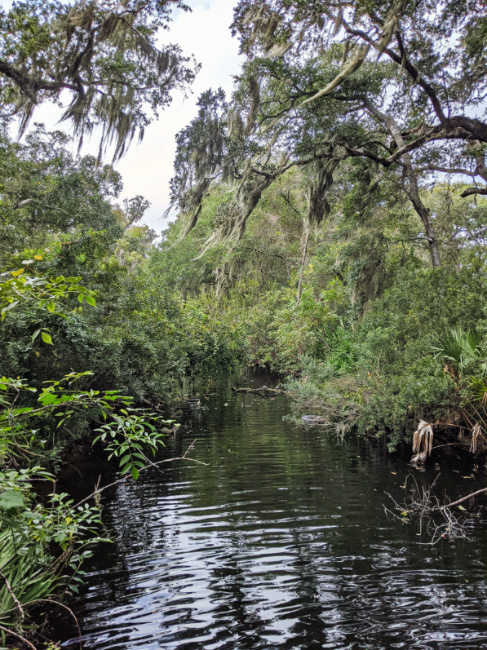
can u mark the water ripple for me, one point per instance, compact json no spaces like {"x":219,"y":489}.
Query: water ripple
{"x":281,"y":542}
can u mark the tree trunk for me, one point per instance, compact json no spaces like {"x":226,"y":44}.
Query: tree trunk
{"x":303,"y":262}
{"x":419,"y":206}
{"x":424,"y":215}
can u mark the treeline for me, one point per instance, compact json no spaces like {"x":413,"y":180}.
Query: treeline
{"x":331,"y":225}
{"x":345,"y":179}
{"x":61,"y":214}
{"x":366,"y":332}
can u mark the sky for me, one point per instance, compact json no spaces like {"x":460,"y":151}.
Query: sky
{"x":148,"y":167}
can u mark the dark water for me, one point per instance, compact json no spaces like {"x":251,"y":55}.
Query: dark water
{"x":281,"y":541}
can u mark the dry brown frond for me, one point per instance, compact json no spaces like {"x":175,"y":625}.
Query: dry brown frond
{"x":422,"y":442}
{"x":476,"y":434}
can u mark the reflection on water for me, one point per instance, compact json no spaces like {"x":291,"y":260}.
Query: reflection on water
{"x":281,"y":541}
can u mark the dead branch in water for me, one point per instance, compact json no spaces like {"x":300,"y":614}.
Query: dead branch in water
{"x":99,"y":490}
{"x":423,"y":506}
{"x":259,"y":391}
{"x":469,"y":496}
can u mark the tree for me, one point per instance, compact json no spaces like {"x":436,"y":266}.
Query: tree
{"x":387,"y":82}
{"x":437,"y":48}
{"x":100,"y":55}
{"x":48,"y":195}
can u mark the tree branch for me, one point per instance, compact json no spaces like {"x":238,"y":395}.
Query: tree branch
{"x":17,"y":636}
{"x":469,"y":496}
{"x":159,"y":462}
{"x":474,"y":190}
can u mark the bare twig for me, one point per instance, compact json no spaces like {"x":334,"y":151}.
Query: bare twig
{"x":14,"y":597}
{"x":99,"y":490}
{"x":469,"y":496}
{"x":17,"y":636}
{"x":55,"y":602}
{"x":422,"y":505}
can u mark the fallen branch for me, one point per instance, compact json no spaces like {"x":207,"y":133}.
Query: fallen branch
{"x":153,"y":406}
{"x":17,"y":636}
{"x":262,"y":389}
{"x":469,"y":496}
{"x":124,"y":478}
{"x":421,"y":505}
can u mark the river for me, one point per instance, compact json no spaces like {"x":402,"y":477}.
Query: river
{"x":280,"y":540}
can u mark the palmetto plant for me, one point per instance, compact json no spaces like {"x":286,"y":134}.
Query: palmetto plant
{"x":457,"y":348}
{"x":24,"y":579}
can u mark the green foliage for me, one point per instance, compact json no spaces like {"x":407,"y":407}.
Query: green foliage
{"x":129,"y":433}
{"x":361,"y":346}
{"x":39,"y":292}
{"x":457,"y":348}
{"x":42,"y":545}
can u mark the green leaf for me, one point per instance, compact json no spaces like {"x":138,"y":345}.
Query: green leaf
{"x":11,"y":499}
{"x":13,"y":304}
{"x":135,"y":473}
{"x":47,"y":398}
{"x":46,"y":338}
{"x":91,"y":301}
{"x":81,"y":297}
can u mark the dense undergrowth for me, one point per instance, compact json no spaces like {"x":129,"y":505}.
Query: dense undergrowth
{"x":93,"y":347}
{"x":99,"y":319}
{"x":374,"y":340}
{"x":319,"y":234}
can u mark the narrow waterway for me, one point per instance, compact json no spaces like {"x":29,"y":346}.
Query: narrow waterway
{"x":279,"y":541}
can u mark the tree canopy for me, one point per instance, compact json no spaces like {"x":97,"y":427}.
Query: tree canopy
{"x":102,"y":57}
{"x":400,"y":85}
